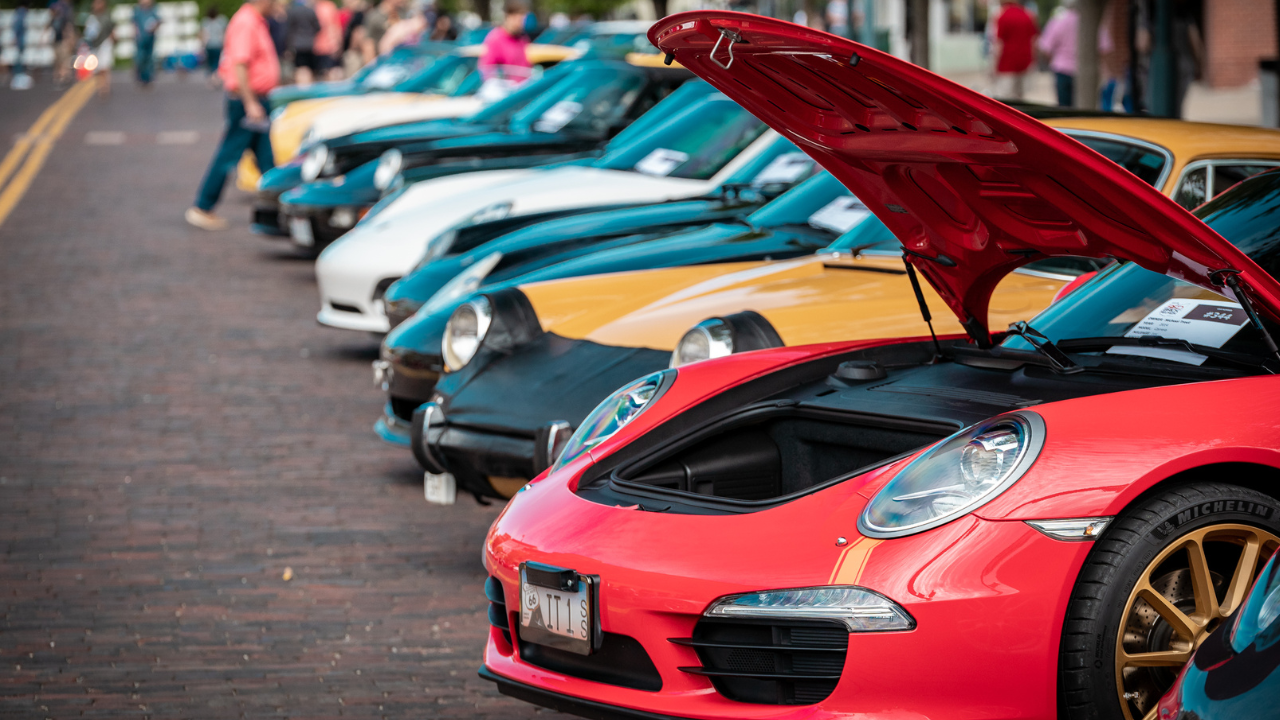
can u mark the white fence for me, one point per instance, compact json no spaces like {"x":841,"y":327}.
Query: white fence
{"x":179,"y":34}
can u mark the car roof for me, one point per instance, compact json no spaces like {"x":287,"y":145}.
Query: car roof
{"x":1186,"y":140}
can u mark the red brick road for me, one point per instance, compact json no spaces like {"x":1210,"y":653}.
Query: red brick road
{"x":175,"y":432}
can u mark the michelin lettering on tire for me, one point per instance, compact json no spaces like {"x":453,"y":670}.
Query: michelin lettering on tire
{"x":1171,"y":524}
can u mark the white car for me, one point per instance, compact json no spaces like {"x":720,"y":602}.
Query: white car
{"x":693,"y":151}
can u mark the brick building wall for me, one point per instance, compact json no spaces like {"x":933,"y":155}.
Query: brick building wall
{"x":1237,"y":33}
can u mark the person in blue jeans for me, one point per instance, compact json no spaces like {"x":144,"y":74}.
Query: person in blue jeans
{"x":145,"y":22}
{"x":249,"y":70}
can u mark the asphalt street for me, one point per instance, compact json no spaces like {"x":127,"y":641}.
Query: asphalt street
{"x":196,"y":520}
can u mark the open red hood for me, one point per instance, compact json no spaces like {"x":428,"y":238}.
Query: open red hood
{"x":972,"y":187}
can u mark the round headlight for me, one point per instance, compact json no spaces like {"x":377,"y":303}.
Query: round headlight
{"x":314,"y":162}
{"x":610,"y":416}
{"x":465,"y":331}
{"x":388,"y":167}
{"x":955,"y":477}
{"x":708,"y":339}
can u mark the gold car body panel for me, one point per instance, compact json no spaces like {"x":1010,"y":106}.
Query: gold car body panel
{"x":820,"y":298}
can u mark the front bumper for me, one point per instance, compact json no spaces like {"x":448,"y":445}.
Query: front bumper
{"x":350,"y":317}
{"x":988,"y":598}
{"x":267,"y":221}
{"x":315,"y":228}
{"x":566,"y":703}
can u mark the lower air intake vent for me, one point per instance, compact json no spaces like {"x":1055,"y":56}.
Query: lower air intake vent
{"x":621,"y":660}
{"x":770,"y":662}
{"x":498,"y":608}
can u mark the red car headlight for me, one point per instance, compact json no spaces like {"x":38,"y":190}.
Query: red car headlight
{"x":955,"y":476}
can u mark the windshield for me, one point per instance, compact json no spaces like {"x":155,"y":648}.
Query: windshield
{"x":387,"y":73}
{"x":778,"y":166}
{"x":694,"y":143}
{"x":1126,"y":300}
{"x":447,"y":76}
{"x":1148,"y":162}
{"x":501,"y":112}
{"x":593,"y":99}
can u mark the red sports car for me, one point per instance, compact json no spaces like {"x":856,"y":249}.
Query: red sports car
{"x":1037,"y":523}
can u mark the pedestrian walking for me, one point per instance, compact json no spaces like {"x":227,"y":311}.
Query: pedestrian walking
{"x":145,"y":23}
{"x":352,"y":17}
{"x":1058,"y":44}
{"x":1014,"y":39}
{"x":20,"y":80}
{"x":328,"y":47}
{"x":303,"y":27}
{"x":443,"y":30}
{"x":62,"y":22}
{"x":277,"y":17}
{"x":504,"y":53}
{"x":249,"y":70}
{"x":100,"y":35}
{"x":213,"y":33}
{"x":375,"y":24}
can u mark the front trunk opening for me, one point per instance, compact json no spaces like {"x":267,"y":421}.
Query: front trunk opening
{"x":769,"y":453}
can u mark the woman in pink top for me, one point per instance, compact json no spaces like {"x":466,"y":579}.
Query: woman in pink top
{"x":504,"y":47}
{"x":328,"y":46}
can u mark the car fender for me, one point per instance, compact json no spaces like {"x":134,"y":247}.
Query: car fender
{"x":1104,"y":451}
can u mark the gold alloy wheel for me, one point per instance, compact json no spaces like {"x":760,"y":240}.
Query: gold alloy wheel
{"x":1183,"y":595}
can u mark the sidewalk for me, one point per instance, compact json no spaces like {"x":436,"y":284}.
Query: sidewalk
{"x":1236,"y":106}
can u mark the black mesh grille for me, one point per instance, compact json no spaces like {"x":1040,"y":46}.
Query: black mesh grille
{"x":770,"y":662}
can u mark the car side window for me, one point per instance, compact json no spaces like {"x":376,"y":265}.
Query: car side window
{"x":1193,"y":190}
{"x":1226,"y":175}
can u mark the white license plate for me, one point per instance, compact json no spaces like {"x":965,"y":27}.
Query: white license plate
{"x":556,"y":616}
{"x":440,"y":488}
{"x":300,"y":230}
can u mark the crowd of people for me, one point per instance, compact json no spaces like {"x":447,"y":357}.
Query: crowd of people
{"x":1019,"y":45}
{"x":313,"y":39}
{"x":259,"y":36}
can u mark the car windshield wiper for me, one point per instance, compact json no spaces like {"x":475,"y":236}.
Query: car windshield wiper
{"x":1102,"y":343}
{"x":1043,"y":345}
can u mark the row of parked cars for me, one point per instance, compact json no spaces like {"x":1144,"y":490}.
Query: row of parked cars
{"x":817,"y":385}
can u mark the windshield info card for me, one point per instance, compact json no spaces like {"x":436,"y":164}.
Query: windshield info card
{"x":1202,"y":322}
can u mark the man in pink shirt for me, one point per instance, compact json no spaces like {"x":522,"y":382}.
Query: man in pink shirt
{"x":504,"y":47}
{"x":249,"y":69}
{"x":1058,"y":43}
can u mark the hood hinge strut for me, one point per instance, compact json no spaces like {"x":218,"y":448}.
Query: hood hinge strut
{"x":924,"y":307}
{"x":1230,"y":278}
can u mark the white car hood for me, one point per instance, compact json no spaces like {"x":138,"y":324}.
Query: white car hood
{"x":378,"y":110}
{"x":429,"y":208}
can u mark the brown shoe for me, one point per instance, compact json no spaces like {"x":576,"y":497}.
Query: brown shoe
{"x":205,"y":220}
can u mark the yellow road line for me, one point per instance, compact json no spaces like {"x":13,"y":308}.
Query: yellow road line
{"x":11,"y":160}
{"x":48,"y":128}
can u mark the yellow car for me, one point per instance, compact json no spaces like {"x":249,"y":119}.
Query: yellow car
{"x":601,"y":331}
{"x":446,"y":89}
